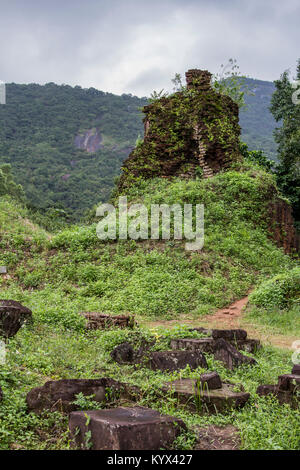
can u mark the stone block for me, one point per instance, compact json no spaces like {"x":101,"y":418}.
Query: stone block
{"x":296,"y":369}
{"x":289,"y":382}
{"x":176,"y":360}
{"x":136,"y":428}
{"x":123,"y":354}
{"x":230,"y":356}
{"x":211,"y":381}
{"x":59,"y":395}
{"x":247,"y":345}
{"x":12,"y":317}
{"x":201,"y":400}
{"x":102,"y":321}
{"x":201,"y":344}
{"x":283,"y":396}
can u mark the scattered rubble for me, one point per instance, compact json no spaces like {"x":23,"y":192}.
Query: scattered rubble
{"x":12,"y":317}
{"x":193,"y":344}
{"x":136,"y":428}
{"x":238,"y":338}
{"x":224,"y":344}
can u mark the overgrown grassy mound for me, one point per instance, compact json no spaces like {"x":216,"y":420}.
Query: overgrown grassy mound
{"x":280,"y":291}
{"x":276,"y":302}
{"x":60,"y":275}
{"x":74,"y":271}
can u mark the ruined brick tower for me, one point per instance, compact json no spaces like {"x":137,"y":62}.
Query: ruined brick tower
{"x":190,"y":132}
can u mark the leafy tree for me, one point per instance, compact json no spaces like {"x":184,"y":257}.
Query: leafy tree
{"x":287,"y":137}
{"x":7,"y":184}
{"x":256,"y":156}
{"x":229,"y":81}
{"x":38,"y":127}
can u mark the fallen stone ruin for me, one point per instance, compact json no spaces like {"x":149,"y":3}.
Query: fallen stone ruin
{"x":12,"y":316}
{"x":190,"y":351}
{"x":224,"y":344}
{"x":159,"y":360}
{"x":60,"y":395}
{"x":287,"y":389}
{"x":102,"y":321}
{"x":236,"y":337}
{"x":191,"y":130}
{"x":230,"y":356}
{"x":207,"y":394}
{"x":135,"y":428}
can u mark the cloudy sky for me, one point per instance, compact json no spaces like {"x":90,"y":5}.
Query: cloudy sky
{"x":136,"y":46}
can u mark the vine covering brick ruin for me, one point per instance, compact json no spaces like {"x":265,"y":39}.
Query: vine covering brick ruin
{"x":196,"y":132}
{"x":190,"y":132}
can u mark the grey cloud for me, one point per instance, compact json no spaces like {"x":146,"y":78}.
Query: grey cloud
{"x":135,"y":46}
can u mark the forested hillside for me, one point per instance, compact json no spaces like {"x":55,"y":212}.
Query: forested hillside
{"x":256,"y":120}
{"x":39,"y":126}
{"x":66,"y":145}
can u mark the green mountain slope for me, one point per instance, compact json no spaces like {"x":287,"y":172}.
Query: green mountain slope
{"x":256,"y":120}
{"x":39,"y":129}
{"x":45,"y":131}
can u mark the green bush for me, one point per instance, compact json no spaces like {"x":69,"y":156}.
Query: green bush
{"x":280,"y":291}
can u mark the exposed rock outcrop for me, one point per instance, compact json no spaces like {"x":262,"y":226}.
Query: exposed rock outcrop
{"x":90,"y":140}
{"x":230,"y":356}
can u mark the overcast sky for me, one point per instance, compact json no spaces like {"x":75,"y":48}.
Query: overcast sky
{"x":136,"y":46}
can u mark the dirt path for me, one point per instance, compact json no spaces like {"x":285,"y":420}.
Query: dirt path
{"x":229,"y":316}
{"x":232,"y":317}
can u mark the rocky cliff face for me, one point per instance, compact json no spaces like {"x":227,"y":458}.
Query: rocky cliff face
{"x":91,"y":140}
{"x":195,"y":130}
